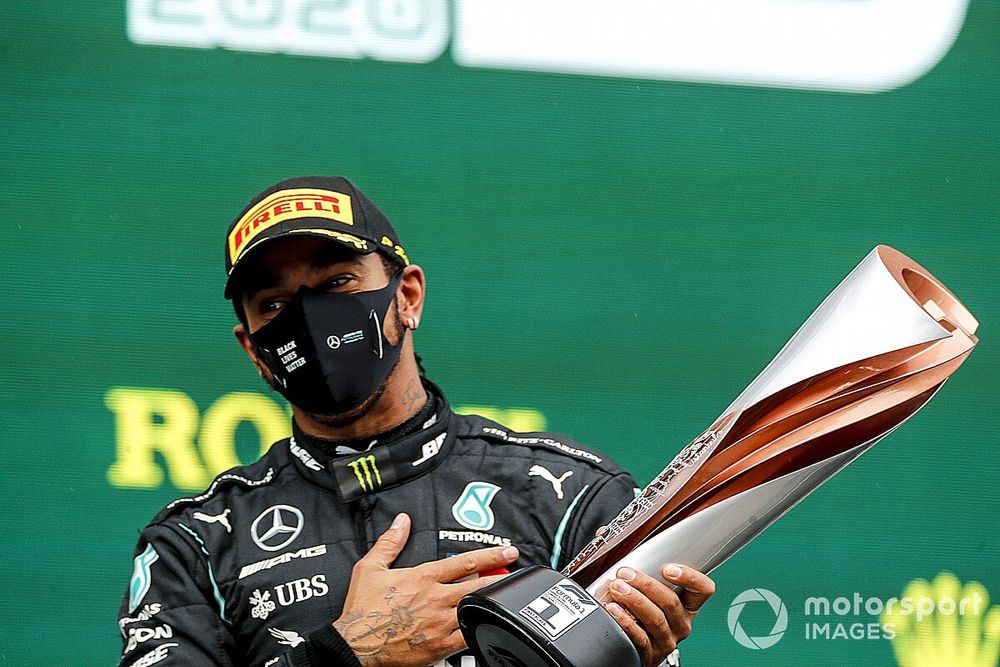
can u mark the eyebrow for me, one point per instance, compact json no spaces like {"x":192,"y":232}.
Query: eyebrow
{"x":258,"y":278}
{"x":335,"y":254}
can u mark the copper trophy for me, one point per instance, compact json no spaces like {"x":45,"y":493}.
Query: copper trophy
{"x":873,"y":353}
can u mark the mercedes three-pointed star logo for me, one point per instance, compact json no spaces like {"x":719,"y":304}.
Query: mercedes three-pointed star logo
{"x":276,"y":527}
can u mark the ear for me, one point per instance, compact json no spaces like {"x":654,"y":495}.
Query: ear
{"x":410,"y":294}
{"x":243,"y":338}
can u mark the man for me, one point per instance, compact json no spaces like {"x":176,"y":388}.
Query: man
{"x":352,"y":541}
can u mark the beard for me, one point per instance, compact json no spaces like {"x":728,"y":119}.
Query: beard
{"x":341,"y":419}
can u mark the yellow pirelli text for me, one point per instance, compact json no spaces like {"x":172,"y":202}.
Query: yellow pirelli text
{"x":288,"y":205}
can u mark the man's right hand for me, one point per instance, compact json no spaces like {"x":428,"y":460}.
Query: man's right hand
{"x":406,"y":616}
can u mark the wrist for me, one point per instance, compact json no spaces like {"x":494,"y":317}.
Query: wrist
{"x":325,"y":646}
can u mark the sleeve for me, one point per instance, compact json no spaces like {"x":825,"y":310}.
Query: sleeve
{"x":602,"y":502}
{"x":324,"y":647}
{"x":173,"y":611}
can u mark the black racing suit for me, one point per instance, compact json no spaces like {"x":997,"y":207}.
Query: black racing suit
{"x":254,"y":570}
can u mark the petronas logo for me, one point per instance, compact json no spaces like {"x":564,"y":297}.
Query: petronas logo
{"x":472,"y":509}
{"x":946,"y":623}
{"x":142,"y":578}
{"x":366,"y":470}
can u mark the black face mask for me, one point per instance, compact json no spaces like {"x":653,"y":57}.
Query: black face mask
{"x":326,"y":350}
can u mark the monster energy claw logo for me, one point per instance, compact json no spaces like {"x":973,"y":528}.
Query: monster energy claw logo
{"x":472,"y":509}
{"x":366,"y":470}
{"x":141,"y":577}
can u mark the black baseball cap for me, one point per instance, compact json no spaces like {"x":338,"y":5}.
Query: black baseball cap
{"x":328,"y":207}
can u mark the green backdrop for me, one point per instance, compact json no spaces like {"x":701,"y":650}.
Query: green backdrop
{"x":613,"y":257}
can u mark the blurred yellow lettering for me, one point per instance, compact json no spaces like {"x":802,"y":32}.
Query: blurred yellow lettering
{"x":154,"y":420}
{"x":166,"y":421}
{"x":218,"y":430}
{"x":521,"y":420}
{"x":153,"y":424}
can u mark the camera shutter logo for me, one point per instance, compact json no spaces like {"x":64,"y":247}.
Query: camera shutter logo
{"x":780,"y":618}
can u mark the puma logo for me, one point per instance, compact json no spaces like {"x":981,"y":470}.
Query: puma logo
{"x":543,"y":472}
{"x":218,"y":518}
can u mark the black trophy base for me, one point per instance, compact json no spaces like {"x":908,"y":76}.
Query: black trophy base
{"x":538,"y":617}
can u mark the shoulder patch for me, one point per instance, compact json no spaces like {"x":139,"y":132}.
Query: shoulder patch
{"x":226,"y":479}
{"x":142,"y":577}
{"x":544,"y":440}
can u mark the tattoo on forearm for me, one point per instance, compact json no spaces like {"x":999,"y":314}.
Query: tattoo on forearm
{"x":370,"y":633}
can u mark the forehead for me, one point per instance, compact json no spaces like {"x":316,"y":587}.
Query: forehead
{"x":303,"y":251}
{"x":284,"y":258}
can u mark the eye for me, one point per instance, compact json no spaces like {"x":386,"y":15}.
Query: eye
{"x":335,"y":283}
{"x":271,"y":306}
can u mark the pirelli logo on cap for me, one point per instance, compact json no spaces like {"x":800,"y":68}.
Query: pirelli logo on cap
{"x":288,"y":205}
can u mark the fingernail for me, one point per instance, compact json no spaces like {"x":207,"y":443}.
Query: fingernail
{"x":615,"y":609}
{"x":510,"y":553}
{"x":619,"y":586}
{"x":672,"y":571}
{"x":626,"y":573}
{"x":398,"y":522}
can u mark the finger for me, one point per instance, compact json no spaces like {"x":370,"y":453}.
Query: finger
{"x":636,"y":634}
{"x":648,"y":614}
{"x":600,"y":531}
{"x":389,"y":544}
{"x":460,"y":588}
{"x":664,"y":598}
{"x":471,"y":562}
{"x":455,"y":642}
{"x":697,"y":587}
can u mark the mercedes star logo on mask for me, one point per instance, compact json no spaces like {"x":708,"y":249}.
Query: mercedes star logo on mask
{"x":276,"y":527}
